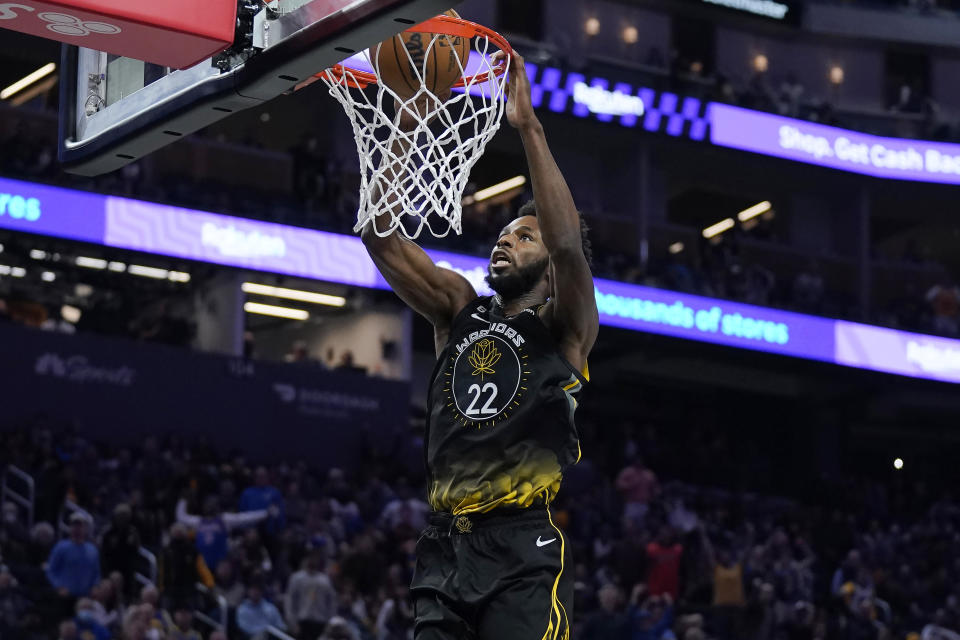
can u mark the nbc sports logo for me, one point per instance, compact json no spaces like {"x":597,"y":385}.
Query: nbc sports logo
{"x":60,"y":23}
{"x":50,"y":364}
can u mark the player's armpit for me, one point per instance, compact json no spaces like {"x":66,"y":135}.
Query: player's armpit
{"x":571,"y":312}
{"x":435,"y":293}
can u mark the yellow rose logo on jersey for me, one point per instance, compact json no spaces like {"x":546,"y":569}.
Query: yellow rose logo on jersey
{"x":483,"y":357}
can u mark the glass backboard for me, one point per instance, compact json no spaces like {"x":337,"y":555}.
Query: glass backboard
{"x":114,"y":110}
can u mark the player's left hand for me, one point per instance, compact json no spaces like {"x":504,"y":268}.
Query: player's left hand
{"x":520,"y":113}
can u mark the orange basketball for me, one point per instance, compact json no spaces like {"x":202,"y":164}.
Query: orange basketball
{"x":438,"y":65}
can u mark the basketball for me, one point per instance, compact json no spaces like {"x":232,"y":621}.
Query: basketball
{"x":440,"y":65}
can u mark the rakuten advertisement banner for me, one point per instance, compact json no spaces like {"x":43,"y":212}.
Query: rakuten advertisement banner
{"x":238,"y":242}
{"x":908,"y":354}
{"x":52,"y":211}
{"x":818,"y":144}
{"x":276,"y":248}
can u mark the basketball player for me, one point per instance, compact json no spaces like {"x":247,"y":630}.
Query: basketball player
{"x":500,"y":432}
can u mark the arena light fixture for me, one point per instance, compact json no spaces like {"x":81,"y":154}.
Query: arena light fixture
{"x":37,"y":254}
{"x":1,"y":248}
{"x":90,"y":263}
{"x":898,"y":464}
{"x":630,"y":35}
{"x":28,"y":80}
{"x":836,"y":75}
{"x":754,"y":211}
{"x":293,"y":294}
{"x":675,"y":248}
{"x":591,"y":26}
{"x":70,"y":313}
{"x":716,"y":229}
{"x":4,"y":270}
{"x":148,"y":272}
{"x":497,"y":189}
{"x":48,"y":276}
{"x":117,"y":267}
{"x":276,"y":312}
{"x":761,"y":63}
{"x":18,"y":272}
{"x":178,"y":276}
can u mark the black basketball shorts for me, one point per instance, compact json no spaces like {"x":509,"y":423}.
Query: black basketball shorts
{"x":496,"y":576}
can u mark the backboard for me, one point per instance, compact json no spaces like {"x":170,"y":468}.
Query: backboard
{"x":115,"y":110}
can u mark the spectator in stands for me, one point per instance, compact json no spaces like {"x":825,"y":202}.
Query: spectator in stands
{"x":74,"y":564}
{"x":939,"y":628}
{"x":728,"y":581}
{"x":808,"y":288}
{"x":663,"y":555}
{"x":846,"y":573}
{"x":363,"y":568}
{"x":396,"y":613}
{"x":253,"y":556}
{"x":102,"y":604}
{"x":182,"y":566}
{"x":67,"y":630}
{"x":227,"y":584}
{"x":348,"y":364}
{"x":88,"y":626}
{"x":944,"y":301}
{"x":159,"y":618}
{"x":255,"y":613}
{"x":653,"y":619}
{"x":609,"y":623}
{"x":213,"y":528}
{"x":791,"y":93}
{"x":260,"y":497}
{"x":14,"y":537}
{"x":120,"y":544}
{"x":405,"y":514}
{"x":139,"y":623}
{"x":340,"y":629}
{"x":182,"y":628}
{"x":311,"y":600}
{"x":638,"y":486}
{"x":13,"y":606}
{"x":299,"y":353}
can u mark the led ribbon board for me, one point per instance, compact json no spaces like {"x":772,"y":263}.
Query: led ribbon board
{"x":629,"y":106}
{"x":832,"y":147}
{"x":262,"y":246}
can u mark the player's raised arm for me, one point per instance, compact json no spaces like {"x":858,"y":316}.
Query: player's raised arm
{"x":572,"y":309}
{"x":435,"y":293}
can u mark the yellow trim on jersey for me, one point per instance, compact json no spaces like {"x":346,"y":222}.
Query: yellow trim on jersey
{"x":586,"y":371}
{"x":556,"y":607}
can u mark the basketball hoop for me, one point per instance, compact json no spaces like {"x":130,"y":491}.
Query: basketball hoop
{"x":418,"y":175}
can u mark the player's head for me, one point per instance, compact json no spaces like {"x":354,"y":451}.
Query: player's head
{"x":519,"y":261}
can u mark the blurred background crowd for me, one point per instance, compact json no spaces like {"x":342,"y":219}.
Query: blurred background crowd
{"x":328,"y":553}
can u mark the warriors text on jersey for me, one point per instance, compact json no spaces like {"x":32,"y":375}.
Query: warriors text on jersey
{"x":500,"y":430}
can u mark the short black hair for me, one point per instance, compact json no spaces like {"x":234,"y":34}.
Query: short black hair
{"x":530,"y":209}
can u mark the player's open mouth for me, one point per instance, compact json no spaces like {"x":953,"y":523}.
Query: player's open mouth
{"x":500,"y":260}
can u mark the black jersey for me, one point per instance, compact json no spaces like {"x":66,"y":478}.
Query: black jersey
{"x":500,"y":431}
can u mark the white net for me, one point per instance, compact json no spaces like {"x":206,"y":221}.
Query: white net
{"x":416,"y":152}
